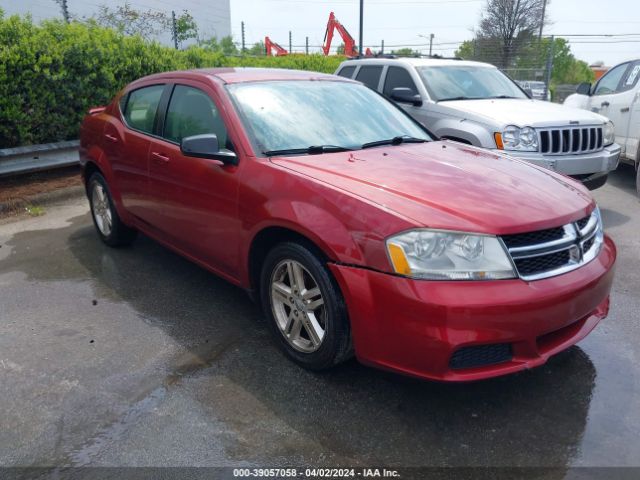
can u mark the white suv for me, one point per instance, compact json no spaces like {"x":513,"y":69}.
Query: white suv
{"x":617,"y":96}
{"x":476,"y":103}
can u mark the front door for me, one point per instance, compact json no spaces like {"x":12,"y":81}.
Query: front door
{"x":195,"y":199}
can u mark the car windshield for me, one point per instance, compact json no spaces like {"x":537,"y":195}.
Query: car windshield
{"x":289,"y":115}
{"x":467,"y":82}
{"x":537,"y":85}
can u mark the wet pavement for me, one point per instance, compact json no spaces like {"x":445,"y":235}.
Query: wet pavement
{"x":137,"y":357}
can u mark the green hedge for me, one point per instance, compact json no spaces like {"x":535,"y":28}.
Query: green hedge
{"x":51,"y":73}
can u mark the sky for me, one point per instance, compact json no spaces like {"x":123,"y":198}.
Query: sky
{"x":398,"y":22}
{"x":401,"y":22}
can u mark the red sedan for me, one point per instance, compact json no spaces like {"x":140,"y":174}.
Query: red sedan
{"x":356,"y":231}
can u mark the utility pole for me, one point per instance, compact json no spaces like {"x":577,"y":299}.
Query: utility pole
{"x":361,"y":32}
{"x":289,"y":41}
{"x":544,"y":7}
{"x":549,"y":66}
{"x":65,"y":10}
{"x":431,"y":44}
{"x":174,"y":29}
{"x":242,"y":30}
{"x":306,"y":46}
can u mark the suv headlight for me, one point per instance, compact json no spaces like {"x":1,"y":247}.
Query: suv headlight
{"x":445,"y":255}
{"x":608,"y":133}
{"x":518,"y":139}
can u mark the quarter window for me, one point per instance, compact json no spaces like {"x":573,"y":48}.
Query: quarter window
{"x":142,"y":106}
{"x":398,"y":77}
{"x":609,"y":83}
{"x":192,"y":112}
{"x":370,"y":76}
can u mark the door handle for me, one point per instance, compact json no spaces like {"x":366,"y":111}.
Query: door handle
{"x":160,"y":158}
{"x":624,"y":110}
{"x":604,"y":104}
{"x":111,"y":138}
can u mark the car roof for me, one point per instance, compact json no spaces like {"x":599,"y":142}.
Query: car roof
{"x":242,"y":74}
{"x":415,"y":62}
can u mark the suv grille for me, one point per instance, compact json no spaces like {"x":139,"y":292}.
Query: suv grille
{"x":558,"y":141}
{"x":553,"y":251}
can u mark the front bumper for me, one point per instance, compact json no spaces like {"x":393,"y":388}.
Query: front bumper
{"x":601,"y":162}
{"x":414,"y":327}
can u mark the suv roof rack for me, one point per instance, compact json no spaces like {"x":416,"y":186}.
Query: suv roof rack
{"x":393,"y":55}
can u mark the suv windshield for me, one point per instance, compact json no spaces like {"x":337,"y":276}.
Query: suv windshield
{"x":296,"y":115}
{"x":468,"y":82}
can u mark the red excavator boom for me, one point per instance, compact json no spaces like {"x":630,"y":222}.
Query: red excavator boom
{"x":349,"y":42}
{"x":270,"y":46}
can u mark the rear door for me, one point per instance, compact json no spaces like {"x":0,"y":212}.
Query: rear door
{"x":127,"y":138}
{"x":631,"y":111}
{"x":195,"y":198}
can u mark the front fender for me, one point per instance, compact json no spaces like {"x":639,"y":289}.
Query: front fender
{"x":468,"y":130}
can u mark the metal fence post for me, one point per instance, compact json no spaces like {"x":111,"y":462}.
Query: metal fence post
{"x":549,"y":66}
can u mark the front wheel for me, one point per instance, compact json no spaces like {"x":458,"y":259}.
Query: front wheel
{"x":105,"y":216}
{"x":638,"y":179}
{"x":307,"y":314}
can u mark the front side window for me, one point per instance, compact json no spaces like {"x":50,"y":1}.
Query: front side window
{"x":192,"y":112}
{"x":398,"y":77}
{"x":282,"y":115}
{"x":370,"y":76}
{"x":468,"y":82}
{"x":609,"y":83}
{"x":141,"y":108}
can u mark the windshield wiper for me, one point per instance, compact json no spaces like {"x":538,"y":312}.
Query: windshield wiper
{"x":502,"y":96}
{"x":311,"y":150}
{"x":394,"y":141}
{"x":457,"y":98}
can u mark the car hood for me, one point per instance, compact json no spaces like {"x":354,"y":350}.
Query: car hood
{"x":525,"y":112}
{"x":451,"y":186}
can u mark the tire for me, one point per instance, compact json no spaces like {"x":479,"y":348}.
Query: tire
{"x":110,"y":228}
{"x":309,"y":323}
{"x":638,"y":179}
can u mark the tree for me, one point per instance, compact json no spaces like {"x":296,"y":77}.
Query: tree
{"x":186,"y":27}
{"x":566,"y":68}
{"x":510,"y":24}
{"x":225,"y":45}
{"x":128,"y":20}
{"x":257,"y":49}
{"x":405,"y":52}
{"x":228,"y":47}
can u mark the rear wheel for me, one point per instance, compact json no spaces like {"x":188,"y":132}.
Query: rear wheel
{"x":307,"y":314}
{"x":110,"y":228}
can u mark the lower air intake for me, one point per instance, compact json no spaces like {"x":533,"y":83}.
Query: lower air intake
{"x":480,"y":356}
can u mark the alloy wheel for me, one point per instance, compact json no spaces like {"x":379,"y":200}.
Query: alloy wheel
{"x":101,"y":209}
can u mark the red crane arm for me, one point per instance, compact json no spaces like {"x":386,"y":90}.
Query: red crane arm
{"x":349,"y":42}
{"x":270,"y":45}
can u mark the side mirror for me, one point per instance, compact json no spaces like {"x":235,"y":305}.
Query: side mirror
{"x":206,"y":146}
{"x":406,"y":95}
{"x":584,"y":89}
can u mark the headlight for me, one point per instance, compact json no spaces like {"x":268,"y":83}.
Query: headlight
{"x":443,"y":255}
{"x":520,"y":139}
{"x":609,"y":133}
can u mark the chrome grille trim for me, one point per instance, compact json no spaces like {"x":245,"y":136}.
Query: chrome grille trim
{"x":576,"y":247}
{"x":570,"y":140}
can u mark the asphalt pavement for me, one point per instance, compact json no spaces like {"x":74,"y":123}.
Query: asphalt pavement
{"x":137,"y":357}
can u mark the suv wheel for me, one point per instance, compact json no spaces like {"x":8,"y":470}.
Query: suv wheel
{"x":304,"y":305}
{"x":110,"y":228}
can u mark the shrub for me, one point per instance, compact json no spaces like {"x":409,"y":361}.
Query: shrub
{"x":52,"y":73}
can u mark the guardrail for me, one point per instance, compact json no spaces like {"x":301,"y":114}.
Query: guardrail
{"x":33,"y":158}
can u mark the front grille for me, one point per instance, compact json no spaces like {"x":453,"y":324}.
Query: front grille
{"x":529,"y":238}
{"x":549,"y":252}
{"x":480,"y":356}
{"x":570,"y":140}
{"x":542,"y":263}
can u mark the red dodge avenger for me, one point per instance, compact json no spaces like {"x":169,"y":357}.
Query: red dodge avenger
{"x":358,"y":233}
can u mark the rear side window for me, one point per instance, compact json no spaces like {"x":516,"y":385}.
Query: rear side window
{"x":347,"y":72}
{"x":398,"y":77}
{"x":192,"y":112}
{"x":370,"y":76}
{"x":631,"y":79}
{"x":142,"y":106}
